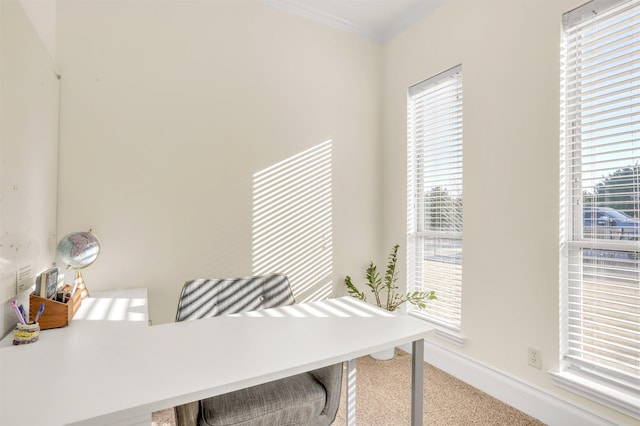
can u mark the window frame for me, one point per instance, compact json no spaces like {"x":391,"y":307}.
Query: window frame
{"x":591,"y":379}
{"x":417,"y":231}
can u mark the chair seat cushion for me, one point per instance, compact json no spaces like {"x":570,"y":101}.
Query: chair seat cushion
{"x":296,"y":400}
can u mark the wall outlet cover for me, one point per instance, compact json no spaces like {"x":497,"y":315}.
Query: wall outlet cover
{"x":534,"y":358}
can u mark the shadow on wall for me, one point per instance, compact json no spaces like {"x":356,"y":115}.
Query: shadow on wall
{"x":292,"y":222}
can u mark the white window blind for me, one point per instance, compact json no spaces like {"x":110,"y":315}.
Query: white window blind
{"x":434,"y":145}
{"x":600,"y":194}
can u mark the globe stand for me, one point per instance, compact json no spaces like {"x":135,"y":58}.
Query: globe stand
{"x":80,"y":286}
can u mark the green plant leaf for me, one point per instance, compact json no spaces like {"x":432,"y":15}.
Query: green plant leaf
{"x":390,"y":276}
{"x":353,"y":291}
{"x":374,"y":281}
{"x":378,"y":285}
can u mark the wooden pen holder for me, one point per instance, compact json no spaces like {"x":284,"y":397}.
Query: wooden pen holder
{"x":56,"y":314}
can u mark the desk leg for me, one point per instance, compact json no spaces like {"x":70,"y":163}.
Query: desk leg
{"x":417,"y":381}
{"x":351,"y":392}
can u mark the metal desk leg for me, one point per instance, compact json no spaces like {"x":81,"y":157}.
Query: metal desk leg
{"x":417,"y":381}
{"x":351,"y":392}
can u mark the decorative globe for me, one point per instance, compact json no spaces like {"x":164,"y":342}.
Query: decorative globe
{"x":78,"y":249}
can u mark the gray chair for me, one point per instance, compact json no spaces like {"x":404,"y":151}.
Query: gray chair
{"x":308,"y":399}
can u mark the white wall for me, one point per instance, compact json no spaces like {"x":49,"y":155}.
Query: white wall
{"x":42,"y":14}
{"x":29,"y":91}
{"x":509,"y":51}
{"x":170,"y":108}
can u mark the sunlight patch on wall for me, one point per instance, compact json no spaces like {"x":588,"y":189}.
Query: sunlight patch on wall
{"x":292,"y":222}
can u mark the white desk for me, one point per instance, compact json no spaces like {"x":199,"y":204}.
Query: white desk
{"x":103,"y":309}
{"x":115,"y":373}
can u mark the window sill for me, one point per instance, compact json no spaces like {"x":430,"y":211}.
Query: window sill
{"x":618,"y":399}
{"x":445,"y":333}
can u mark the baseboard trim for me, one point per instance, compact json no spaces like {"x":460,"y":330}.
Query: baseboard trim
{"x":531,"y":400}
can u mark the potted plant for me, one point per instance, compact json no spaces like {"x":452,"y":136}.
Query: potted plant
{"x":386,"y":292}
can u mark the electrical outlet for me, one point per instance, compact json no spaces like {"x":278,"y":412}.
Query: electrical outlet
{"x":535,"y":358}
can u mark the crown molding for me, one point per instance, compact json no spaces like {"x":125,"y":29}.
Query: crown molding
{"x":382,"y":35}
{"x":419,"y":11}
{"x":323,"y":17}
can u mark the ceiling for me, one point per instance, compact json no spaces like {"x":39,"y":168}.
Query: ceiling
{"x":376,"y":20}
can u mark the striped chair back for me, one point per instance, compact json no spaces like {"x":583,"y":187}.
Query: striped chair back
{"x":205,"y":298}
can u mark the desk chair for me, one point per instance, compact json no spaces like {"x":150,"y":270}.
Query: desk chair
{"x":307,"y":399}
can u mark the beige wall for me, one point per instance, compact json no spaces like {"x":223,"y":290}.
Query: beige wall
{"x":42,"y":14}
{"x":509,"y":51}
{"x":168,"y":111}
{"x":29,"y":95}
{"x":170,"y":108}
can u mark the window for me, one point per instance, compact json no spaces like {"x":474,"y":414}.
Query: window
{"x":434,"y":181}
{"x":600,"y":203}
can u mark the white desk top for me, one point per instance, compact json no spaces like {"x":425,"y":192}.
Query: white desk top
{"x":113,"y":371}
{"x":114,"y":305}
{"x":103,"y":307}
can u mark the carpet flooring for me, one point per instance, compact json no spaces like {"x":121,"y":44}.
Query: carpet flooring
{"x":383,"y":398}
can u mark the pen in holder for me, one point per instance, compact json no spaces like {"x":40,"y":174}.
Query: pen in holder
{"x":26,"y":333}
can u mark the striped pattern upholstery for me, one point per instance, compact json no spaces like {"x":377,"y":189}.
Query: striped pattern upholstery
{"x":209,"y":298}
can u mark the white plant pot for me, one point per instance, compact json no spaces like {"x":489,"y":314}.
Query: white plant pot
{"x":385,"y":354}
